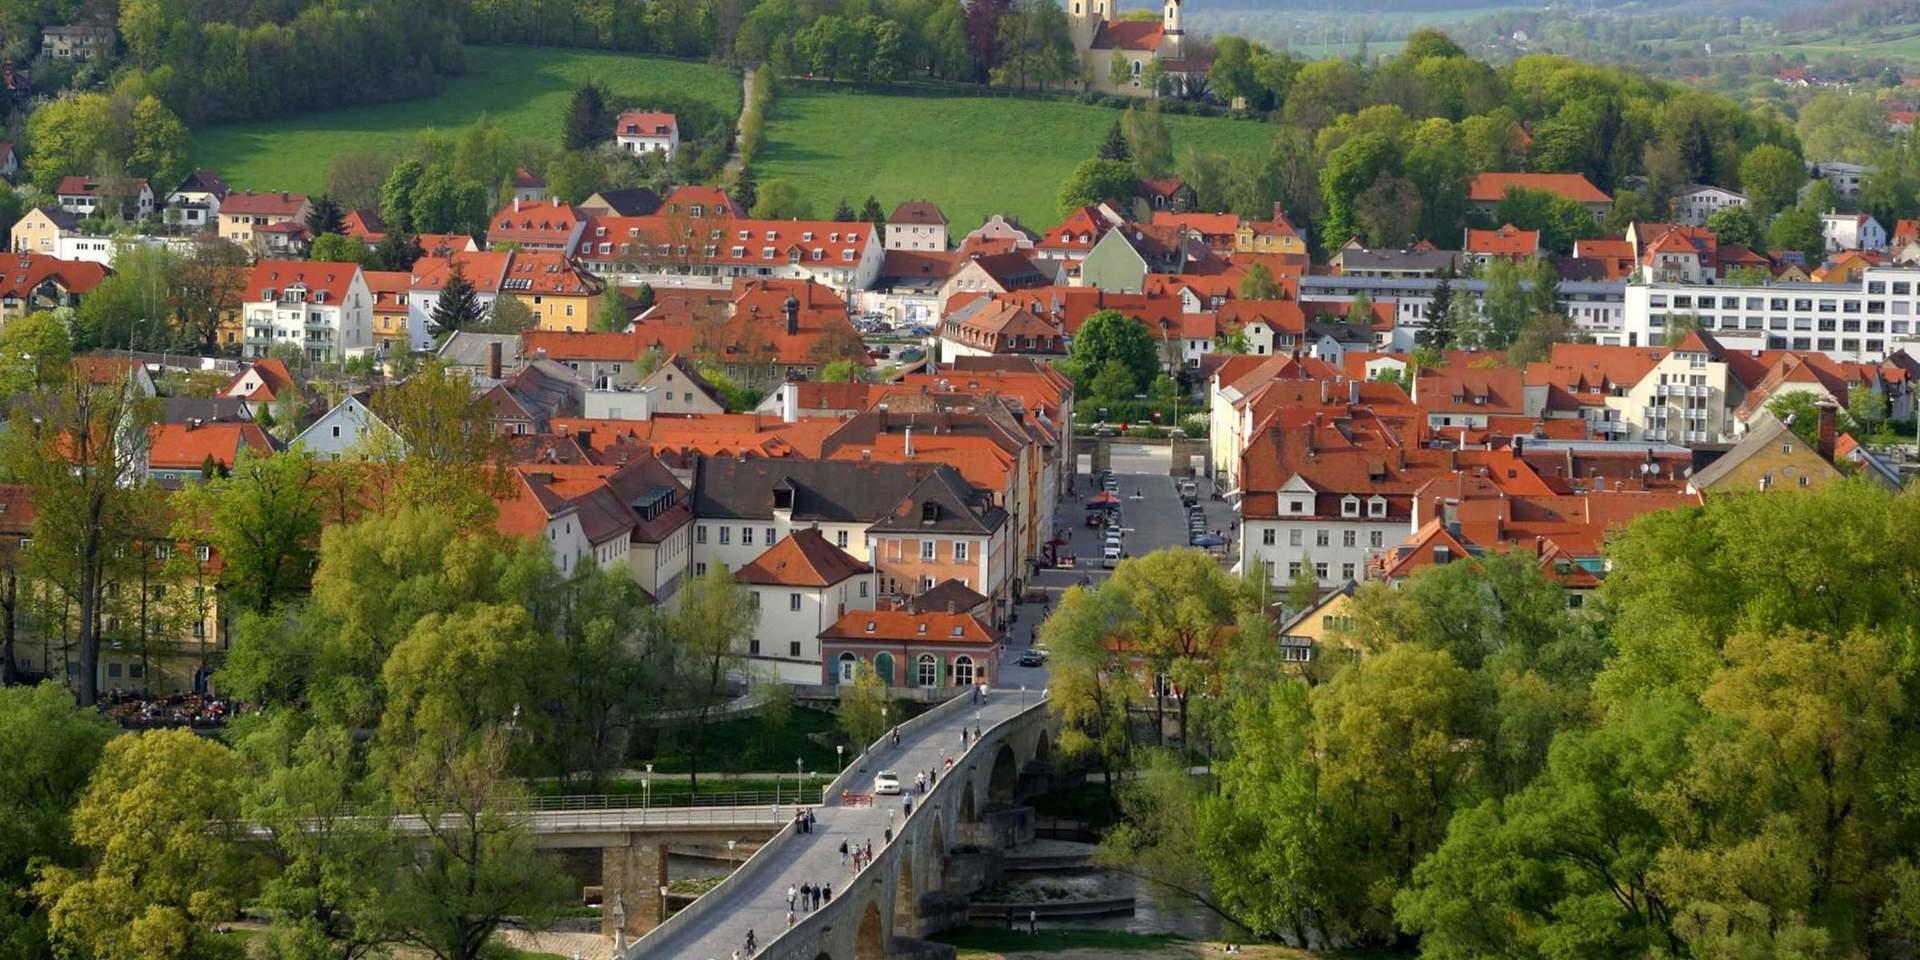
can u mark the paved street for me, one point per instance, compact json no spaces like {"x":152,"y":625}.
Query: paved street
{"x":1155,"y":522}
{"x":761,"y":905}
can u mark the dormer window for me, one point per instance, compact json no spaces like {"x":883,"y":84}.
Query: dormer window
{"x":871,"y":626}
{"x":1442,"y":555}
{"x":921,"y":629}
{"x":1377,"y":507}
{"x":1350,"y":506}
{"x":1296,"y":506}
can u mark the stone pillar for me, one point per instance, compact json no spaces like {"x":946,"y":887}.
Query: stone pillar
{"x":630,"y":878}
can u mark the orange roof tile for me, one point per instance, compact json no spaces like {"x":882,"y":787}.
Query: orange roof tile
{"x":802,"y":558}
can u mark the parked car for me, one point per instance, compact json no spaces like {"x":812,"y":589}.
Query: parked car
{"x":1031,"y":659}
{"x":886,"y":783}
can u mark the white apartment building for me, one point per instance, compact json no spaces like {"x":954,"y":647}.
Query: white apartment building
{"x":801,"y":586}
{"x":1695,"y":204}
{"x":1863,"y":322}
{"x":1852,"y":231}
{"x":323,"y":308}
{"x":1596,"y":308}
{"x":1336,"y":541}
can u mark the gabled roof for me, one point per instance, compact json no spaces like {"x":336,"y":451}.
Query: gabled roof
{"x":186,"y":446}
{"x":90,"y":186}
{"x":1128,"y":35}
{"x":1764,"y":431}
{"x":61,"y":218}
{"x":802,"y":558}
{"x":623,"y":202}
{"x":204,"y":181}
{"x":272,"y":375}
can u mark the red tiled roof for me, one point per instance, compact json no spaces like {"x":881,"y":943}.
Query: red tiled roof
{"x":281,"y":204}
{"x":598,"y":347}
{"x":25,"y":272}
{"x":334,"y":279}
{"x":102,"y":370}
{"x":1507,"y":241}
{"x":547,"y":273}
{"x":184,"y":446}
{"x":1128,"y":35}
{"x":539,"y":222}
{"x":1463,"y":389}
{"x":645,"y":123}
{"x":803,"y":558}
{"x":1491,"y":187}
{"x":486,"y":270}
{"x":272,"y":375}
{"x":898,"y":626}
{"x":732,"y":241}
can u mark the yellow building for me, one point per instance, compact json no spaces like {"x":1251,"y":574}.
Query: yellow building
{"x":1770,"y":457}
{"x":1319,"y":640}
{"x":1269,"y":236}
{"x":40,"y":230}
{"x":561,"y":296}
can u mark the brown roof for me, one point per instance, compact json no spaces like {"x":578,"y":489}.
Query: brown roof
{"x":803,"y":558}
{"x":918,"y":212}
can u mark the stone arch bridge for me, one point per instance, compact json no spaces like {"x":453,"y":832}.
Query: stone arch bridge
{"x":951,"y":840}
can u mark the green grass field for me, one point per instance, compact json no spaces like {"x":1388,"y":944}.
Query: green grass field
{"x":524,"y":89}
{"x":972,"y":155}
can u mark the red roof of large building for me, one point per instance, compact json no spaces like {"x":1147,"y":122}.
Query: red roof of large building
{"x":1491,"y":187}
{"x":902,"y":626}
{"x":537,"y":223}
{"x":317,"y":276}
{"x":26,"y":272}
{"x":186,"y":446}
{"x":280,"y":204}
{"x":1128,"y":35}
{"x":645,"y":123}
{"x":596,"y":347}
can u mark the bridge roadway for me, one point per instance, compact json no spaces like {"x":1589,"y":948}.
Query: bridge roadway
{"x":759,"y":901}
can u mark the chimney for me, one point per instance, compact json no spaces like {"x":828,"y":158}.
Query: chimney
{"x":793,"y":315}
{"x":909,"y":441}
{"x":953,"y":606}
{"x":1828,"y":409}
{"x":1279,"y":210}
{"x":789,"y":401}
{"x":1353,"y":393}
{"x":192,"y":423}
{"x":516,"y":204}
{"x":493,"y":360}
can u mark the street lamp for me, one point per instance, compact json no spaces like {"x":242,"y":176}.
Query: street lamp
{"x":646,"y":791}
{"x":799,"y":776}
{"x":730,"y":846}
{"x":840,"y":756}
{"x":663,"y":903}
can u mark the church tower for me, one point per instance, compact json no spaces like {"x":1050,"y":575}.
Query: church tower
{"x":1173,"y":45}
{"x":1084,"y":18}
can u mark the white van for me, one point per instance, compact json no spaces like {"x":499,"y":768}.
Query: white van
{"x":1110,"y":557}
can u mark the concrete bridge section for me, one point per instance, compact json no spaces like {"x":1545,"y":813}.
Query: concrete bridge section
{"x":634,"y":845}
{"x":952,"y":840}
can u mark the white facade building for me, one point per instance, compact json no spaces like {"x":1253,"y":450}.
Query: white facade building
{"x":1693,"y":206}
{"x":1863,"y":322}
{"x":1852,"y":231}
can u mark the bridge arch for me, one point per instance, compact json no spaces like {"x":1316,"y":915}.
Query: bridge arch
{"x":1042,"y":747}
{"x":870,"y":941}
{"x":823,"y":955}
{"x":1004,"y":781}
{"x":936,"y":852}
{"x":967,"y":814}
{"x":906,"y":903}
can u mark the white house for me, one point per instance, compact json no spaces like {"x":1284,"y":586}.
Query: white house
{"x":917,"y":225}
{"x":195,"y":206}
{"x":1845,"y":177}
{"x":643,"y":131}
{"x":802,"y":584}
{"x":322,"y":307}
{"x":1695,"y":204}
{"x":84,"y":196}
{"x":338,"y":434}
{"x":1852,"y":231}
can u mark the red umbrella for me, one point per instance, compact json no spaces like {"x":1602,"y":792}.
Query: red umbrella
{"x":1104,"y":497}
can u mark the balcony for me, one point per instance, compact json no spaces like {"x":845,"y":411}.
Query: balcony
{"x":1656,"y":436}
